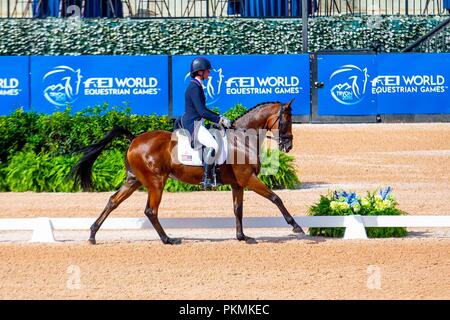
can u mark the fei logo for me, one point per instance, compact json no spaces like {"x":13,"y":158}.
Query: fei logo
{"x":213,"y":85}
{"x":62,"y":85}
{"x":351,"y":82}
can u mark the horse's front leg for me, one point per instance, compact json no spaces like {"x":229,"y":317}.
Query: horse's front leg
{"x":260,"y":188}
{"x":238,"y":201}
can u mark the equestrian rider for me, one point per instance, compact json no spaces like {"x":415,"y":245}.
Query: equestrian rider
{"x":196,"y":112}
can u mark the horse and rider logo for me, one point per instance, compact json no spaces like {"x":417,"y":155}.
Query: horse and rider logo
{"x":213,"y":85}
{"x":351,"y":84}
{"x":62,"y":85}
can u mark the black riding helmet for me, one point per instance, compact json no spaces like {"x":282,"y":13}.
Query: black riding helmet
{"x":199,"y":64}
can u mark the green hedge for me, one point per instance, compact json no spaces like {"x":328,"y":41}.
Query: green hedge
{"x":62,"y":133}
{"x":207,"y":36}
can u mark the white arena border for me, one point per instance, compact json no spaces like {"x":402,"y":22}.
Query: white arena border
{"x":43,"y":227}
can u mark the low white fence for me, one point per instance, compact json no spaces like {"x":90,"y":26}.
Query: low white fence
{"x":43,"y":227}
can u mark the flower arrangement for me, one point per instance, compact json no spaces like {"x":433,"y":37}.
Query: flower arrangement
{"x":342,"y":203}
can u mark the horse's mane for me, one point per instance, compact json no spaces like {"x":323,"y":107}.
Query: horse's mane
{"x":258,"y":106}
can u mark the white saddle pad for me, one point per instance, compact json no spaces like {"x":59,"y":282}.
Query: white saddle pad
{"x":185,"y":154}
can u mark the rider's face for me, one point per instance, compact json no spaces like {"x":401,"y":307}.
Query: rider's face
{"x":206,"y":74}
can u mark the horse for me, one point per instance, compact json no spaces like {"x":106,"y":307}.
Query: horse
{"x":149,"y":163}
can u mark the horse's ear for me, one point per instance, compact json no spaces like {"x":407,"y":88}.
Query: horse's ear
{"x":288,"y":105}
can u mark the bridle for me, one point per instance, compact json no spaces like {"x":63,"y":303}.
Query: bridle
{"x":284,"y":136}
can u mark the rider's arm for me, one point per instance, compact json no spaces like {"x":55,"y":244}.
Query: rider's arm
{"x":196,"y":96}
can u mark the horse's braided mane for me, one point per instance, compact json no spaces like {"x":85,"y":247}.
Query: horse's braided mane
{"x":255,"y":107}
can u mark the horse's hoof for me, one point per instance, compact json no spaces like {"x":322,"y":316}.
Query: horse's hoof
{"x":247,"y":240}
{"x":92,"y":241}
{"x":172,"y":241}
{"x":298,"y":229}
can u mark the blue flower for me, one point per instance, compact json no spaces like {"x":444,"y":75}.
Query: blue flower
{"x":384,"y":193}
{"x":351,"y":198}
{"x":340,"y":194}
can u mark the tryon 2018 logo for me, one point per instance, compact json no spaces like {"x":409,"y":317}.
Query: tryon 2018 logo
{"x":349,"y":84}
{"x":62,"y":85}
{"x":212,"y":87}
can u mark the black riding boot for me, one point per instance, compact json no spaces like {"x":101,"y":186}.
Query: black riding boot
{"x":208,"y":166}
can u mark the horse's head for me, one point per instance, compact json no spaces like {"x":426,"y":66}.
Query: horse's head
{"x":281,"y":120}
{"x":270,"y":116}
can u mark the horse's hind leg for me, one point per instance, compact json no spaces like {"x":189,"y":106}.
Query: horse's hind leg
{"x":151,"y":211}
{"x":117,"y":198}
{"x":260,"y":188}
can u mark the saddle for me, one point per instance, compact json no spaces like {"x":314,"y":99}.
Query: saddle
{"x":177,"y":126}
{"x":189,"y":155}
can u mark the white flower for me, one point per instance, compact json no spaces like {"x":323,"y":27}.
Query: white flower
{"x":365,"y":202}
{"x":381,"y":205}
{"x":334,"y":205}
{"x":388,"y":203}
{"x":356,"y":208}
{"x":344,"y":205}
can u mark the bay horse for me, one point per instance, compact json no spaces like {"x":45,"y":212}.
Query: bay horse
{"x":148,"y":162}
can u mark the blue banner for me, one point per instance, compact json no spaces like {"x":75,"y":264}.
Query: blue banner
{"x":346,"y":89}
{"x":412,"y":83}
{"x":353,"y":84}
{"x":402,"y":83}
{"x":249,"y":80}
{"x":14,"y":86}
{"x":81,"y":81}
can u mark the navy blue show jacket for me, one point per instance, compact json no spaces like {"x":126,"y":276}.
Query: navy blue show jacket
{"x":195,"y":107}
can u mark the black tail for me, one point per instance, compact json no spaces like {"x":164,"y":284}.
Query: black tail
{"x":82,"y":171}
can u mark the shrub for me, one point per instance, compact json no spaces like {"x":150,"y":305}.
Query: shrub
{"x":30,"y":172}
{"x":278,"y":170}
{"x":18,"y":131}
{"x":45,"y":173}
{"x":235,"y":112}
{"x":108,"y":172}
{"x":64,"y":132}
{"x":3,"y":184}
{"x":342,"y":203}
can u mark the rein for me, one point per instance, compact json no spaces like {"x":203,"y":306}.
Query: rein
{"x":280,"y":121}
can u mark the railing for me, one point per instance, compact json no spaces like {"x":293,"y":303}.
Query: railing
{"x":216,"y":8}
{"x":382,"y":7}
{"x":355,"y":225}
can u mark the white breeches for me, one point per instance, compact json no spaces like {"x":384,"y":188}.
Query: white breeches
{"x":206,"y":138}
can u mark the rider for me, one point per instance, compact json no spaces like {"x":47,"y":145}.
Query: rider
{"x":196,"y":112}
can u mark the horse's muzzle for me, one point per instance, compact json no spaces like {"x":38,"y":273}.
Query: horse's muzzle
{"x":287,"y":146}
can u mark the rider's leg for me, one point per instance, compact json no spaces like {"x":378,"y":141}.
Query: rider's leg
{"x":206,"y":139}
